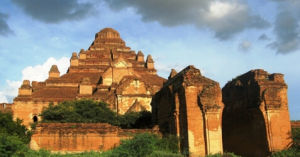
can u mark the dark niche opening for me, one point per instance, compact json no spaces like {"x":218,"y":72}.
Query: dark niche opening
{"x":35,"y":119}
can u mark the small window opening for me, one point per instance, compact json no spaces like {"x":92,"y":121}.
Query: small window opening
{"x":111,"y":55}
{"x":35,"y":119}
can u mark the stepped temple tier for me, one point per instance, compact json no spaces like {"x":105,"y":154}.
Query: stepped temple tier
{"x":107,"y":71}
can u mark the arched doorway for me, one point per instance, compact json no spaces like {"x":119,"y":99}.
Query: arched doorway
{"x":35,"y":119}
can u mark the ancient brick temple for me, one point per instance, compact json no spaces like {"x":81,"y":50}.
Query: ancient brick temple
{"x":108,"y":71}
{"x":256,"y":118}
{"x":190,"y":106}
{"x":249,"y":116}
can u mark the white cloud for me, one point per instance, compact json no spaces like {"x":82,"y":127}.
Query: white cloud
{"x":220,"y":9}
{"x":33,"y":73}
{"x":40,"y":72}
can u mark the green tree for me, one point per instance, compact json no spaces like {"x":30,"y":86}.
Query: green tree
{"x":12,"y":145}
{"x":14,"y":128}
{"x":79,"y":111}
{"x":89,"y":111}
{"x":296,"y":137}
{"x":13,"y":136}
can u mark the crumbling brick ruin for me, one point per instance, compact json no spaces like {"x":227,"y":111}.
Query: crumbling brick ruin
{"x":108,"y":71}
{"x":190,"y":106}
{"x":256,"y":118}
{"x":249,"y":116}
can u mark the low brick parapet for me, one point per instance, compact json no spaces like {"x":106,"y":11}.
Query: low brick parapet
{"x":80,"y":137}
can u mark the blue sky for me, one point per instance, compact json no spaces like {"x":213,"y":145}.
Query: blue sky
{"x":222,"y":38}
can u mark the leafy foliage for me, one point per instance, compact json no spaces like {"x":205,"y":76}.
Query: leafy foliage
{"x":296,"y":137}
{"x":12,"y":145}
{"x":13,"y":136}
{"x":13,"y":128}
{"x":89,"y":111}
{"x":292,"y":152}
{"x":164,"y":154}
{"x":147,"y":145}
{"x":80,"y":111}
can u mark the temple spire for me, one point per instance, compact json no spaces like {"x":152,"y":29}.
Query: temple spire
{"x":149,"y":62}
{"x":54,"y":72}
{"x":107,"y":38}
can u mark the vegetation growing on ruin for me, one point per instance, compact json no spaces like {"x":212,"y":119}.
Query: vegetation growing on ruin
{"x":89,"y":111}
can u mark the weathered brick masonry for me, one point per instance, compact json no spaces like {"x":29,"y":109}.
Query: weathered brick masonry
{"x":108,"y":71}
{"x":256,"y":118}
{"x":190,"y":106}
{"x":80,"y":137}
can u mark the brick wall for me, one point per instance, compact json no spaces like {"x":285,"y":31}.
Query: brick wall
{"x":79,"y":137}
